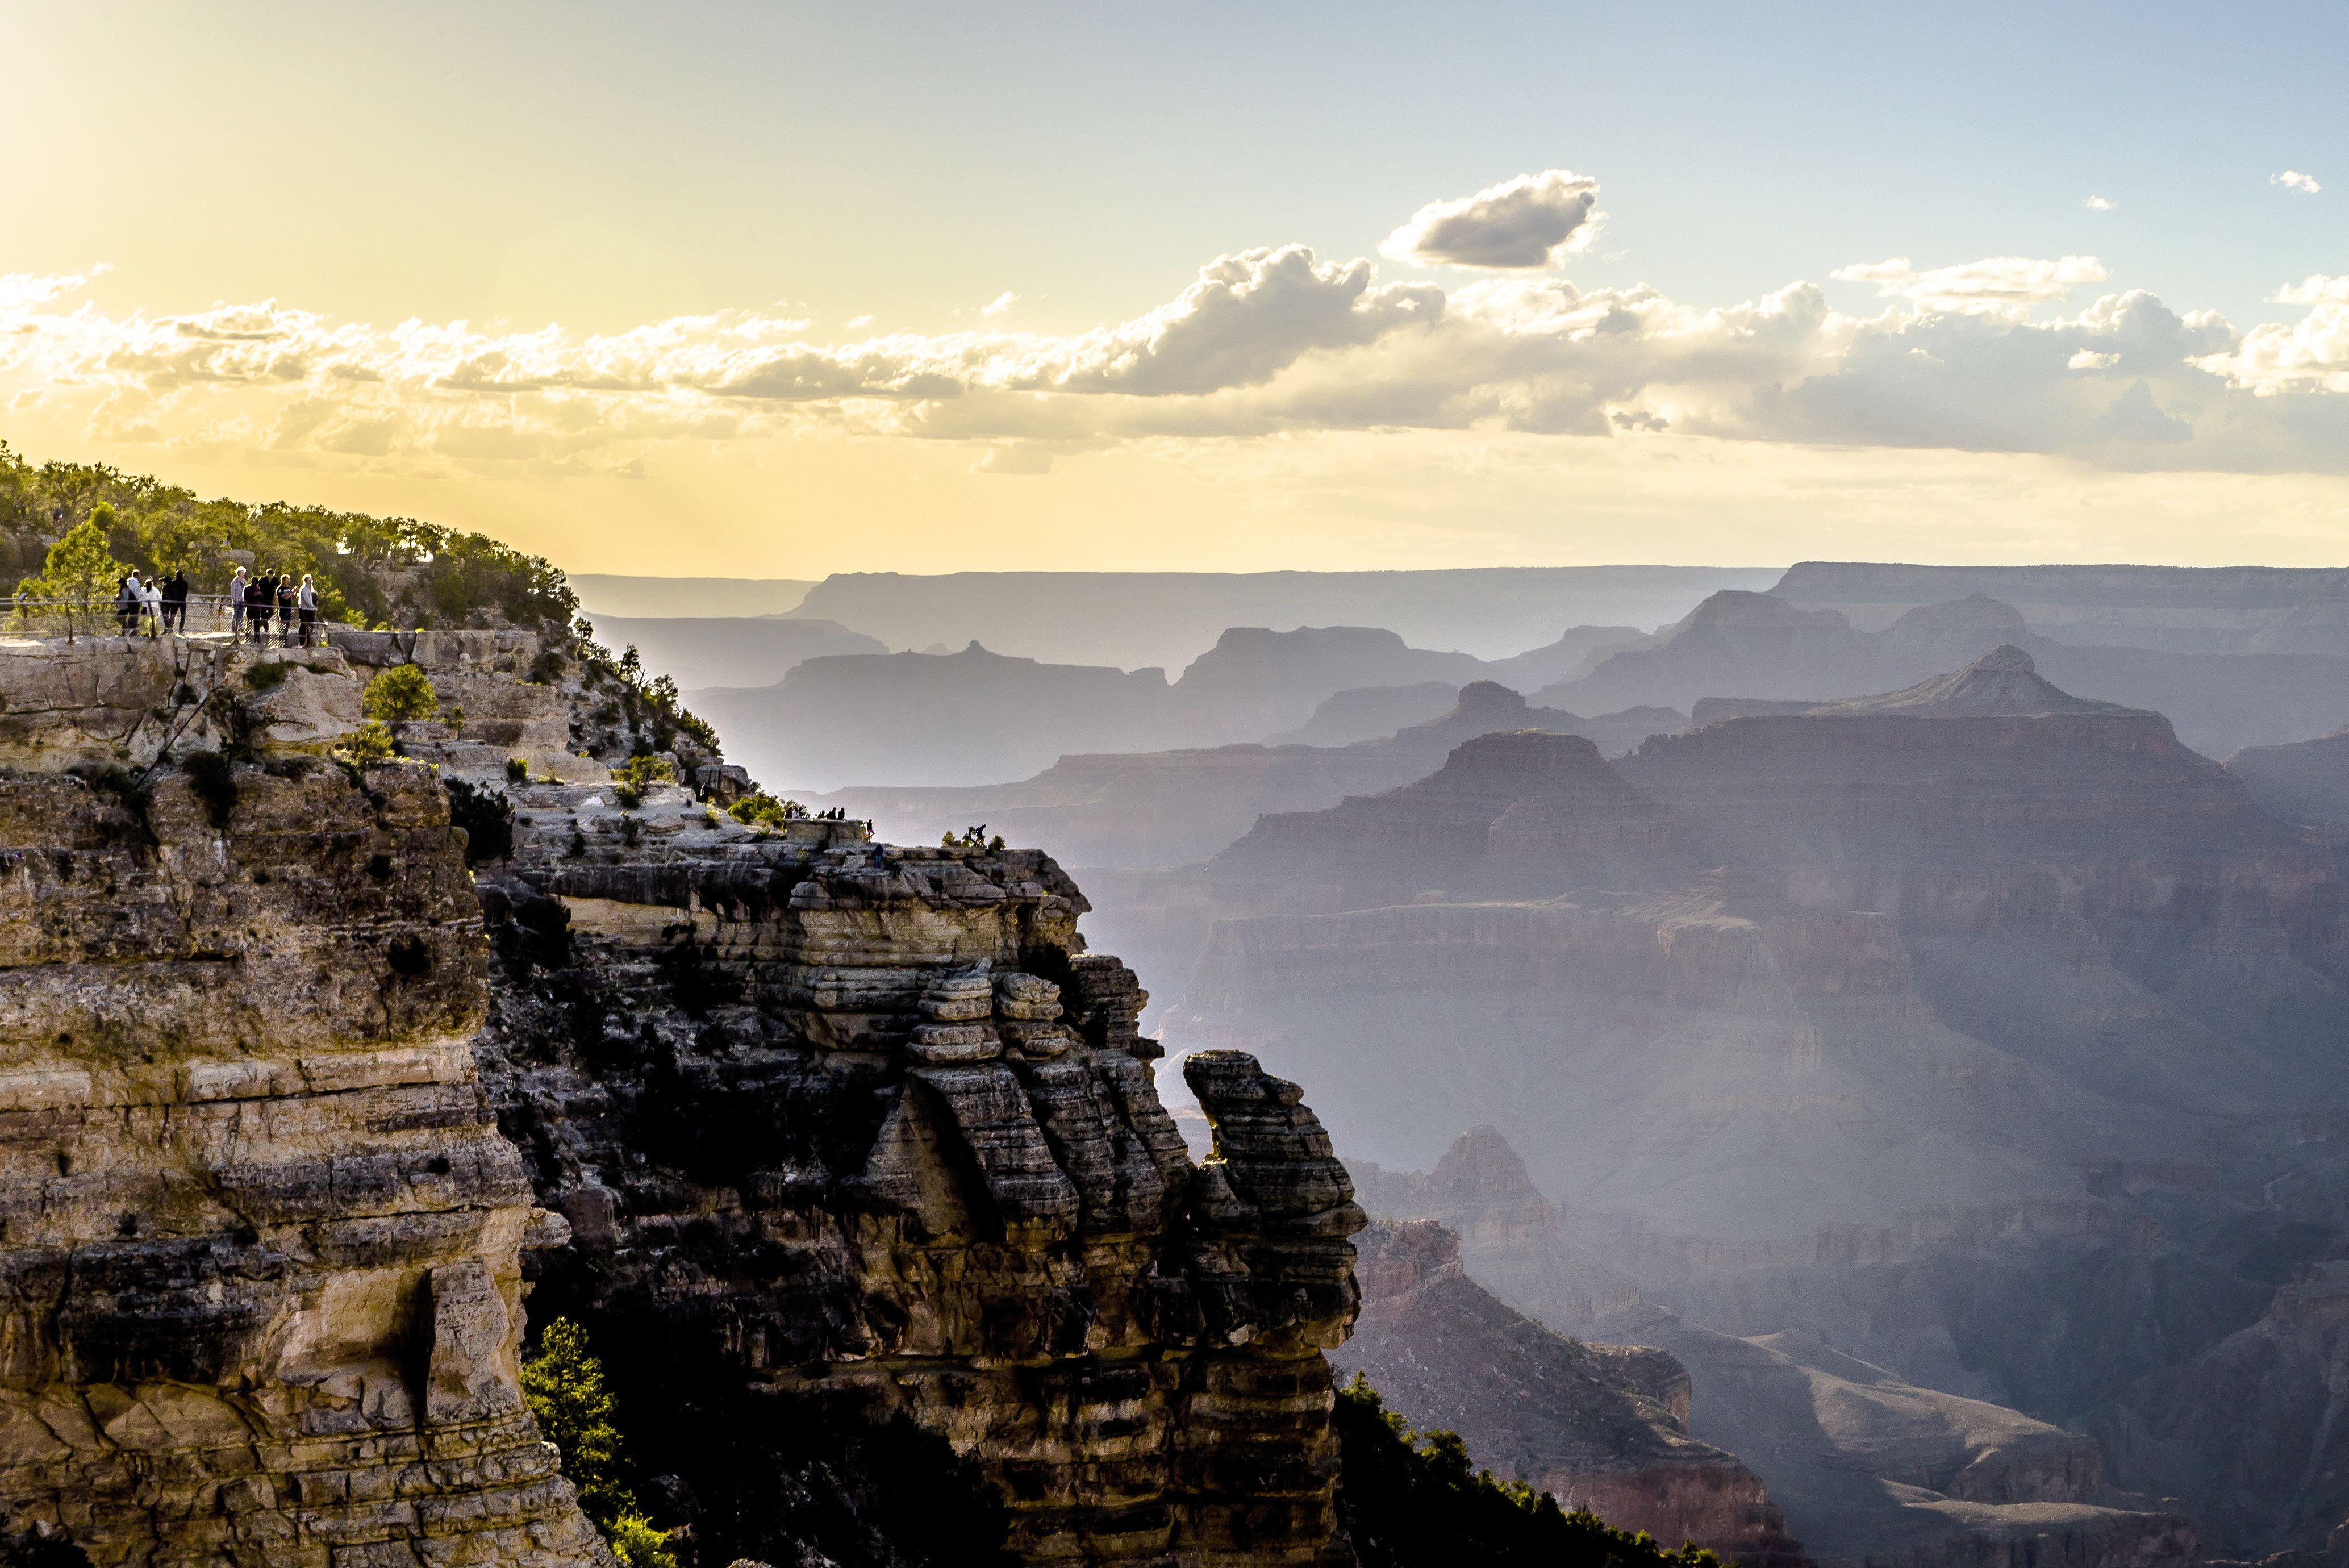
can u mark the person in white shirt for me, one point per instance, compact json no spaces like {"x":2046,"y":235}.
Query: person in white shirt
{"x":236,"y":605}
{"x":150,"y":604}
{"x":306,"y":601}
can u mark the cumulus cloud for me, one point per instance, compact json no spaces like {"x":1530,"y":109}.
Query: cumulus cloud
{"x":2293,"y":180}
{"x":2101,"y":203}
{"x":1995,"y":285}
{"x":2316,"y":288}
{"x":1261,"y":342}
{"x":1526,"y":223}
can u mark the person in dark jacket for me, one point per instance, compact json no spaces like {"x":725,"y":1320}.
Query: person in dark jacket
{"x":126,"y":604}
{"x":175,"y":602}
{"x":259,"y":604}
{"x":285,"y":609}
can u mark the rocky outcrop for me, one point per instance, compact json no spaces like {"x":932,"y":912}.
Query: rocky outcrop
{"x":862,"y":1141}
{"x":262,"y":1240}
{"x":2254,"y":1426}
{"x":1603,"y":1429}
{"x":867,"y":1130}
{"x":1866,"y":1465}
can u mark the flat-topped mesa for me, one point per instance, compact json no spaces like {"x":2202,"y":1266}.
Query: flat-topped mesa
{"x":856,"y":1132}
{"x":1507,"y":810}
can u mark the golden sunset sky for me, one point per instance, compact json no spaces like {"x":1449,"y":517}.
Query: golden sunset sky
{"x":774,"y":291}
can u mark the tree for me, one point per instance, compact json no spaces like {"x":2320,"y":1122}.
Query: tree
{"x":563,"y":1387}
{"x":403,"y":691}
{"x":79,"y":566}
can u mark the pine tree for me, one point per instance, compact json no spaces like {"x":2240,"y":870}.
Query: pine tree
{"x":563,"y":1386}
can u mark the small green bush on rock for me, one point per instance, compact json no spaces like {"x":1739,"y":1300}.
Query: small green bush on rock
{"x":399,"y":692}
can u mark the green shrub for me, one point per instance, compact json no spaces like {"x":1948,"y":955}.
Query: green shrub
{"x":371,"y":744}
{"x":563,"y":1387}
{"x":269,"y":675}
{"x":517,"y":770}
{"x":759,"y":809}
{"x":402,"y":692}
{"x":638,"y":1545}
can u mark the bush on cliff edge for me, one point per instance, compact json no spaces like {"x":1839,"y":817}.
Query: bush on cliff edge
{"x":1415,"y":1500}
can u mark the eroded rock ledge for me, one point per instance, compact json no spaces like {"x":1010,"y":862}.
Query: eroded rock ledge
{"x":865,"y":1133}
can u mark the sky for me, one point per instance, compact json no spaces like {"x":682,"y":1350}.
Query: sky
{"x":767,"y":290}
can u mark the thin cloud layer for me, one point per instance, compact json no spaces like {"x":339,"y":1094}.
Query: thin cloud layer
{"x":1263,"y":342}
{"x":1995,"y":285}
{"x":1528,"y":224}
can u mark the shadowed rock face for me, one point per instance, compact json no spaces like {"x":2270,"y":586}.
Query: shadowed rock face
{"x":2307,"y":784}
{"x":1867,"y":1466}
{"x":1525,"y":809}
{"x":1603,"y":1428}
{"x":866,"y":1131}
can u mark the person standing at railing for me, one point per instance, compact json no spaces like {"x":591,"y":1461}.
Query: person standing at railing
{"x":261,"y":603}
{"x":285,"y":609}
{"x":236,"y":605}
{"x":150,"y":604}
{"x":175,"y":601}
{"x":126,"y":604}
{"x":306,"y":601}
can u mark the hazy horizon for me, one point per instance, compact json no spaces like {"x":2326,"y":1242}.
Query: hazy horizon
{"x":670,"y":295}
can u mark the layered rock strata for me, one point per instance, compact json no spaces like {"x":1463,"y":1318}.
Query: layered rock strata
{"x":1867,"y":1466}
{"x":846,"y":1126}
{"x":260,"y":1239}
{"x":1601,"y":1427}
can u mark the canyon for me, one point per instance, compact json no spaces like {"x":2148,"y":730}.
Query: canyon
{"x":304,"y":1125}
{"x":1875,"y":1035}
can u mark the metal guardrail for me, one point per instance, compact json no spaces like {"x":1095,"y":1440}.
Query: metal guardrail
{"x":200,"y":614}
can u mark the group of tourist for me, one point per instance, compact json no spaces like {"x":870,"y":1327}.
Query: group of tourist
{"x":254,"y":601}
{"x":162,"y":604}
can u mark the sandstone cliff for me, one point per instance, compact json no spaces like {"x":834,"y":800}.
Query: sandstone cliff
{"x":862,"y":1141}
{"x":864,"y":1134}
{"x":261,"y":1239}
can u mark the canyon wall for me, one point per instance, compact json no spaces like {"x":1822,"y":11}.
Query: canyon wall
{"x":261,"y":1240}
{"x":862,"y":1129}
{"x":861,"y":1143}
